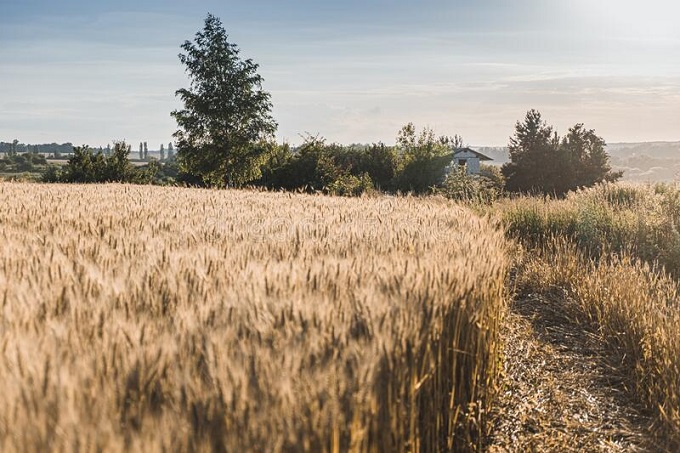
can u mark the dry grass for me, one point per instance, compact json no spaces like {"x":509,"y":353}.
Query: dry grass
{"x":559,"y":392}
{"x":640,"y":220}
{"x":634,"y":309}
{"x":588,"y":245}
{"x":151,"y":318}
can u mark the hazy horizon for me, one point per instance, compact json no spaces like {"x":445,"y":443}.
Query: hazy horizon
{"x":355,"y":72}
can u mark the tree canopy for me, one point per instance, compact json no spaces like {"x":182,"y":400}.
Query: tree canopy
{"x":87,"y":166}
{"x":425,"y":158}
{"x":225,"y":127}
{"x":542,"y":161}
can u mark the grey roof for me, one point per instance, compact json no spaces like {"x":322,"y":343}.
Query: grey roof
{"x":470,"y":150}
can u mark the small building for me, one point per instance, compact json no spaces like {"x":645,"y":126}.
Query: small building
{"x":470,"y":158}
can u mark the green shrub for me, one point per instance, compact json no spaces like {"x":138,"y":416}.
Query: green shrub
{"x":640,"y":220}
{"x":87,"y":166}
{"x":459,"y":185}
{"x":350,"y":185}
{"x":51,"y":174}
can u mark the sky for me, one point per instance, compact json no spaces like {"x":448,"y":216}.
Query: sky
{"x":352,"y":71}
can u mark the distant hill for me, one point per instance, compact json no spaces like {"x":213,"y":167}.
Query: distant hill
{"x":658,"y":150}
{"x":499,"y":154}
{"x":642,"y":162}
{"x":646,"y":162}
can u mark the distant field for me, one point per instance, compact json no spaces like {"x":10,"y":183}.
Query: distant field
{"x":150,"y":318}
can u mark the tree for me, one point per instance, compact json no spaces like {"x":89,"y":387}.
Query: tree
{"x":84,"y":166}
{"x":162,"y":153}
{"x":226,"y":125}
{"x":533,"y":156}
{"x":146,"y":152}
{"x":171,"y":151}
{"x":141,"y":151}
{"x":118,"y":167}
{"x":587,"y":160}
{"x":425,"y":158}
{"x":381,"y":163}
{"x":87,"y":166}
{"x":541,"y":161}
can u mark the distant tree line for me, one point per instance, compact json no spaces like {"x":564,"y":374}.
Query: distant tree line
{"x":420,"y":162}
{"x":417,"y":163}
{"x":143,"y":152}
{"x":15,"y":147}
{"x":21,"y":163}
{"x":86,"y":165}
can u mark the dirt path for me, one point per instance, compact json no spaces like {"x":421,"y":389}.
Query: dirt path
{"x":559,"y":393}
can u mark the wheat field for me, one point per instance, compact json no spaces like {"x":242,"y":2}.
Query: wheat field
{"x":171,"y":319}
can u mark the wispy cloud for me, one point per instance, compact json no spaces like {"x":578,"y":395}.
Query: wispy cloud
{"x":352,"y":71}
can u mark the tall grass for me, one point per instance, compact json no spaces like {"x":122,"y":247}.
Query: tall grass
{"x":636,"y":311}
{"x":615,"y":249}
{"x":642,"y":220}
{"x":152,"y":319}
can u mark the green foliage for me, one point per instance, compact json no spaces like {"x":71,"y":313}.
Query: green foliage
{"x":534,"y":159}
{"x":88,"y":166}
{"x":639,"y":220}
{"x":542,"y":162}
{"x":226,"y":123}
{"x":13,"y":150}
{"x":381,"y":163}
{"x":425,"y":158}
{"x":317,"y":166}
{"x":22,"y":163}
{"x":418,"y":164}
{"x":314,"y":166}
{"x":350,"y":185}
{"x":483,"y":188}
{"x":15,"y":147}
{"x":51,"y":174}
{"x":84,"y":166}
{"x":275,"y":171}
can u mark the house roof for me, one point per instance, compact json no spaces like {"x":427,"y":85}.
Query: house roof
{"x":470,"y":150}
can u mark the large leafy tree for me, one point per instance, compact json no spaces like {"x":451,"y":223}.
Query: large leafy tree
{"x":225,"y":127}
{"x":542,"y":162}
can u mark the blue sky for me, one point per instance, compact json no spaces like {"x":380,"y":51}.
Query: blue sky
{"x":352,"y":71}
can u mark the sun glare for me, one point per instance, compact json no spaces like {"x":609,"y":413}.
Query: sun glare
{"x":654,"y":19}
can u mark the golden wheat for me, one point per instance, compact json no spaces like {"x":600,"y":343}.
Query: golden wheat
{"x":155,"y":319}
